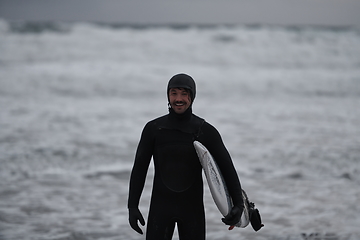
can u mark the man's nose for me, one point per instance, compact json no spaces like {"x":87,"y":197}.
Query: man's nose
{"x":178,"y":97}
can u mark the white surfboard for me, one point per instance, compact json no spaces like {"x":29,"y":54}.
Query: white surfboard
{"x":217,"y":185}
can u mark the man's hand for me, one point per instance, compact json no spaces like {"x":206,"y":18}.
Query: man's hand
{"x":135,"y":216}
{"x":233,"y":217}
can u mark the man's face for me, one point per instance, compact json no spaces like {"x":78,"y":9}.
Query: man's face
{"x":179,"y":99}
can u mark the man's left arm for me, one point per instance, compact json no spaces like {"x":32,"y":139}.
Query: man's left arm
{"x":213,"y":141}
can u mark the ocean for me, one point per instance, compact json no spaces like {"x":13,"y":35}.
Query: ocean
{"x":74,"y":98}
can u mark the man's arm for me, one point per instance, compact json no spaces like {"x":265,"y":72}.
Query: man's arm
{"x":138,"y":176}
{"x":212,"y":140}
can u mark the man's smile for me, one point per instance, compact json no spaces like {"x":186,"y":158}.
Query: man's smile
{"x":179,"y":104}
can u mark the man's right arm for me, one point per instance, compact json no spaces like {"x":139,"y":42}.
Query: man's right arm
{"x":138,"y":176}
{"x":141,"y":164}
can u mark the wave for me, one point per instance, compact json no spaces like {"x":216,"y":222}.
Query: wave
{"x":37,"y":27}
{"x":25,"y":27}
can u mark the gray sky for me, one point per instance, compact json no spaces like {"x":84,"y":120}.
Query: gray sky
{"x":285,"y":12}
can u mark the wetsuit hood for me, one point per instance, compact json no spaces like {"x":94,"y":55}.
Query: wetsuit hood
{"x":183,"y":80}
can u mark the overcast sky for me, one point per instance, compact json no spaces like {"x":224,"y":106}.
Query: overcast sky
{"x":285,"y":12}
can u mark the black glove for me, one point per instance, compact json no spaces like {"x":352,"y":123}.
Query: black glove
{"x":134,"y":216}
{"x":233,"y":217}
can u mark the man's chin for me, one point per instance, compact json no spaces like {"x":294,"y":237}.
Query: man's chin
{"x":179,"y":110}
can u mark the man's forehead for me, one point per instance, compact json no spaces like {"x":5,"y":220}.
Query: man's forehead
{"x":179,"y":88}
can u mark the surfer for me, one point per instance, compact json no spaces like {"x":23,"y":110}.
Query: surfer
{"x":177,"y":194}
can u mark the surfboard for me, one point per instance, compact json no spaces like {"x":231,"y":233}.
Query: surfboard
{"x":218,"y":187}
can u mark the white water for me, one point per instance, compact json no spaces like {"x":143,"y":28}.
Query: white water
{"x":73,"y":104}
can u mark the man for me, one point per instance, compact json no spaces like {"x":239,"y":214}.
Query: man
{"x":177,"y":195}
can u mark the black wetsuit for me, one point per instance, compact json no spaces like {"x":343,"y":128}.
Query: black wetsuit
{"x":177,"y":195}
